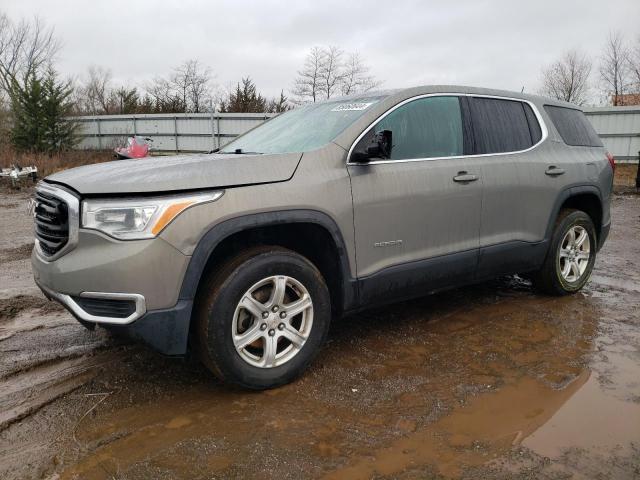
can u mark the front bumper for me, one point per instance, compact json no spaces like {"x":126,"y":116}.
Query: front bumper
{"x":71,"y":304}
{"x":166,"y":330}
{"x":146,"y":273}
{"x":152,"y":269}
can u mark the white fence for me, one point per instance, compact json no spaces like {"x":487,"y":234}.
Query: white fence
{"x":619,"y":128}
{"x":182,"y":132}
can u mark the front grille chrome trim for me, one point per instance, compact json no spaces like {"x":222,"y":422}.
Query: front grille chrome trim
{"x":73,"y":213}
{"x":68,"y":302}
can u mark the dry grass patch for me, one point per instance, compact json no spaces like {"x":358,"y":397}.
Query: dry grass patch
{"x":48,"y":164}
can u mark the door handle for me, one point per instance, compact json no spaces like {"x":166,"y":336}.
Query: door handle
{"x":464,"y":177}
{"x":554,"y":171}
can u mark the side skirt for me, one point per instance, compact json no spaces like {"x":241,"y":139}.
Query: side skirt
{"x":510,"y":257}
{"x":423,"y":277}
{"x":415,"y":279}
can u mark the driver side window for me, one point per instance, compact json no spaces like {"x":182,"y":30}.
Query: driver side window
{"x":424,"y":128}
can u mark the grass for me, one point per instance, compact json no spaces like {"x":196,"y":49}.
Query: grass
{"x":626,"y":176}
{"x":48,"y":164}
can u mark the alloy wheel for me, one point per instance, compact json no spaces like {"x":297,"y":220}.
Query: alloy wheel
{"x":574,"y":254}
{"x":272,"y":321}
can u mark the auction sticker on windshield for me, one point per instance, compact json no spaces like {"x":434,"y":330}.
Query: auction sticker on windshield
{"x":343,"y":107}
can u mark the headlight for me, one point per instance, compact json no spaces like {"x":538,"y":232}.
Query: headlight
{"x":137,"y":218}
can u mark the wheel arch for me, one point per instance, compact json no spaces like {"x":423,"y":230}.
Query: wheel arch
{"x":311,"y":233}
{"x":587,"y":198}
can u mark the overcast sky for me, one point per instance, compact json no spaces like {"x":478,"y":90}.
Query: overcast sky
{"x":490,"y":43}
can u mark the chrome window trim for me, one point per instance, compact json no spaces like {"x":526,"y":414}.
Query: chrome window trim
{"x":78,"y":311}
{"x":536,"y":112}
{"x":73,"y":212}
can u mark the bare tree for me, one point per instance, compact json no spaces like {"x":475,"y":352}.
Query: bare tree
{"x":614,"y":68}
{"x":568,"y":78}
{"x":307,"y":85}
{"x":25,"y":47}
{"x":326,"y":73}
{"x":635,"y":65}
{"x":188,"y":89}
{"x":200,"y":89}
{"x":193,"y":83}
{"x":95,"y":95}
{"x":331,"y":71}
{"x":164,"y":97}
{"x":356,"y":77}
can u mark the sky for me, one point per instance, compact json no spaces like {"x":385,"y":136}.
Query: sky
{"x":487,"y":43}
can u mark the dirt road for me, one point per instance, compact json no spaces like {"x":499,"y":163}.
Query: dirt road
{"x":492,"y":381}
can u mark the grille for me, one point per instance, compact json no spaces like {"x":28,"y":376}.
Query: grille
{"x":106,"y":307}
{"x":52,"y":223}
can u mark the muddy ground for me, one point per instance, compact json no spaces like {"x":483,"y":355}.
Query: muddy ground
{"x":492,"y":381}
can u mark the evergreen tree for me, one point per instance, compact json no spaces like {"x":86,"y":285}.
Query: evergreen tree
{"x":146,"y":105}
{"x":26,"y":134}
{"x":59,"y":132}
{"x":245,"y":99}
{"x":40,"y":108}
{"x":128,"y":100}
{"x":278,"y":105}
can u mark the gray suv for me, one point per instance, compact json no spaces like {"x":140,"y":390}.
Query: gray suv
{"x":246,"y":254}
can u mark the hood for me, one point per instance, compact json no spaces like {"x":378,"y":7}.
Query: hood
{"x":180,"y":172}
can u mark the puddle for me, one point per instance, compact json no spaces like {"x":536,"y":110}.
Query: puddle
{"x":592,"y":419}
{"x":470,"y":435}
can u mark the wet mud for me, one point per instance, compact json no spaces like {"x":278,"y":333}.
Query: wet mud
{"x":13,"y":306}
{"x":490,"y":381}
{"x":16,"y":253}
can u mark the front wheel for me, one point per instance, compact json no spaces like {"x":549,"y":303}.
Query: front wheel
{"x":262,"y":317}
{"x":571,"y":255}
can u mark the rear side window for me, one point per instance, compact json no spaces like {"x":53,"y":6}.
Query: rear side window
{"x":502,"y":125}
{"x":424,"y":128}
{"x":573,"y":126}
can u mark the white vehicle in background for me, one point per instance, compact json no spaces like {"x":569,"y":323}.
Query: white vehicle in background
{"x":16,"y":172}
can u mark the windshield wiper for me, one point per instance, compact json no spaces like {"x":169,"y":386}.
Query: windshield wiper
{"x":239,"y":151}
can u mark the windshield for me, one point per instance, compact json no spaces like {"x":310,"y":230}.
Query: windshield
{"x":303,"y":129}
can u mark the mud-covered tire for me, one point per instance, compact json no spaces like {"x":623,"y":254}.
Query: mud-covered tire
{"x":549,"y":279}
{"x":216,"y":311}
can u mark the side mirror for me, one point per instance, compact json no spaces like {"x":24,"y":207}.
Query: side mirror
{"x":379,"y":147}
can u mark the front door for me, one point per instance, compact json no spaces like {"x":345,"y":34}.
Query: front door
{"x":417,"y":214}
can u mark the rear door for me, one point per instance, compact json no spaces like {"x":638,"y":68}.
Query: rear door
{"x":417,"y":214}
{"x":522,"y":178}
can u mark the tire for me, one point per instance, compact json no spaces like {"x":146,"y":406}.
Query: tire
{"x":558,"y":276}
{"x":225,"y":318}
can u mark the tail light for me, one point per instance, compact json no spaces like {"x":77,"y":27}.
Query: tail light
{"x":612,"y":161}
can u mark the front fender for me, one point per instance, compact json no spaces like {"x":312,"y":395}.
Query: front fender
{"x":219,"y":232}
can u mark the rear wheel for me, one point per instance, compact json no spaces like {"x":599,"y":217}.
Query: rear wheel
{"x":262,"y":317}
{"x":571,"y":255}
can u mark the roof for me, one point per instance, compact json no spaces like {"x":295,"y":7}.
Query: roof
{"x":404,"y":93}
